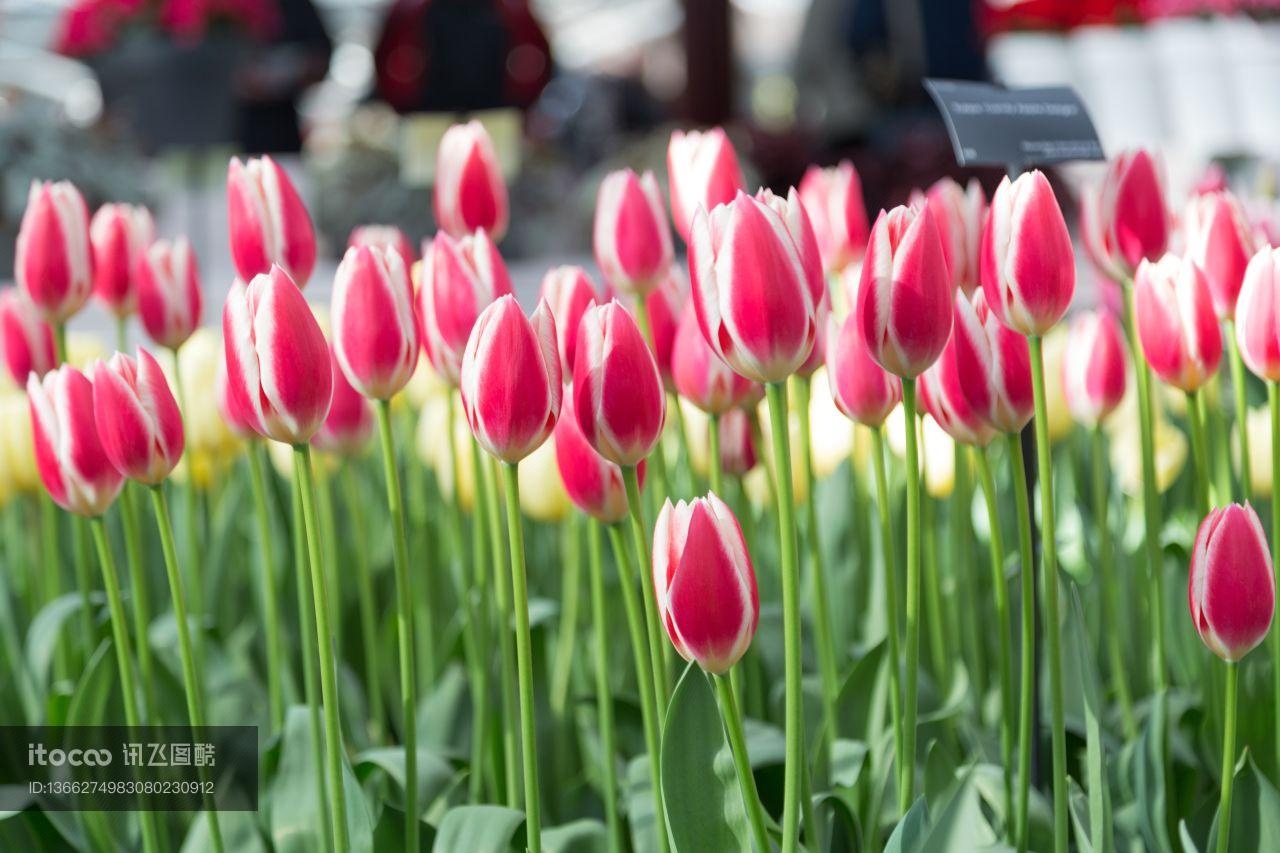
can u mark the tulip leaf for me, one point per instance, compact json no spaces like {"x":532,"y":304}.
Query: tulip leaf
{"x":909,"y":834}
{"x":699,"y":786}
{"x":1149,"y":775}
{"x":640,"y":806}
{"x":480,"y":829}
{"x":1080,"y":664}
{"x":46,"y":631}
{"x":1255,"y":810}
{"x":959,"y":824}
{"x":580,"y":836}
{"x":239,"y":832}
{"x":434,"y":773}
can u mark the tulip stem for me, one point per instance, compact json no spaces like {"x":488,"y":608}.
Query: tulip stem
{"x":640,"y":542}
{"x":793,"y":786}
{"x":367,"y":605}
{"x":192,"y":521}
{"x":1107,"y":579}
{"x":1228,"y":757}
{"x":1004,"y":637}
{"x":60,"y":342}
{"x":713,"y":455}
{"x":907,"y":759}
{"x":1273,"y":403}
{"x":890,"y":594}
{"x":328,"y":665}
{"x":480,"y":565}
{"x":649,"y":712}
{"x":84,"y":580}
{"x":138,"y":589}
{"x":190,"y":680}
{"x":682,"y":435}
{"x":963,"y":575}
{"x":524,"y":656}
{"x":120,"y":634}
{"x":567,"y":634}
{"x":742,"y":762}
{"x":1027,"y":642}
{"x":404,"y":625}
{"x":604,"y":694}
{"x":277,"y":673}
{"x":1241,"y":400}
{"x":1199,"y":452}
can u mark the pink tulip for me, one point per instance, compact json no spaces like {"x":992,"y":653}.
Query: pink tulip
{"x":383,"y":237}
{"x":278,"y":371}
{"x":119,"y":234}
{"x":568,"y":292}
{"x":1176,"y":324}
{"x":460,"y":278}
{"x":1220,"y":242}
{"x":704,"y":582}
{"x":618,"y":395}
{"x":942,"y":398}
{"x":700,"y":376}
{"x":169,"y":299}
{"x":470,"y":193}
{"x":1124,"y":220}
{"x":959,"y":212}
{"x":862,"y":389}
{"x":833,"y":199}
{"x":1258,"y":315}
{"x":665,"y":305}
{"x":737,"y":443}
{"x":904,"y":295}
{"x":268,"y":221}
{"x":73,"y":466}
{"x":138,"y":420}
{"x":1094,"y":371}
{"x":1027,"y":262}
{"x":1230,"y":585}
{"x":349,"y":425}
{"x":593,"y":483}
{"x":53,"y":262}
{"x":751,"y":287}
{"x":232,"y":415}
{"x":992,"y":365}
{"x":511,"y":379}
{"x":375,"y":335}
{"x":703,"y":171}
{"x":27,"y":339}
{"x":631,"y":238}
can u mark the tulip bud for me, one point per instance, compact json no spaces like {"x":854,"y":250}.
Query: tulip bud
{"x":230,"y":412}
{"x":568,"y":292}
{"x":904,"y":295}
{"x":268,"y":221}
{"x":833,"y":199}
{"x":700,"y":376}
{"x":992,"y":365}
{"x":138,"y":420}
{"x":737,"y":443}
{"x":375,"y":335}
{"x":862,"y":389}
{"x":1027,"y":263}
{"x":383,"y":237}
{"x":27,"y":339}
{"x":755,"y":302}
{"x":1095,"y":367}
{"x":278,"y":370}
{"x":631,"y":239}
{"x":593,"y":483}
{"x":52,"y":260}
{"x":1258,"y":315}
{"x":703,"y":171}
{"x":1124,"y":220}
{"x":73,"y":466}
{"x":460,"y":278}
{"x":1230,"y":586}
{"x":959,"y":212}
{"x":349,"y":425}
{"x":705,"y":583}
{"x":169,"y":298}
{"x":942,"y":398}
{"x":1176,"y":324}
{"x":1220,"y":242}
{"x":470,"y":193}
{"x":665,"y":305}
{"x":618,"y":396}
{"x":510,"y":379}
{"x":119,"y":234}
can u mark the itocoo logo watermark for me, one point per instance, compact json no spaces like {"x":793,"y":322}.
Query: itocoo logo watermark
{"x":39,"y":755}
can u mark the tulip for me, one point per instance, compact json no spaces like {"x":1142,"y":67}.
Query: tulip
{"x":863,"y":390}
{"x":1220,"y":242}
{"x":960,"y":213}
{"x":470,"y":193}
{"x":349,"y":425}
{"x":169,"y":299}
{"x":833,"y":199}
{"x":1257,"y":313}
{"x":278,"y":370}
{"x":17,"y":459}
{"x":1094,"y":367}
{"x":73,"y":464}
{"x":375,"y":335}
{"x":53,"y":262}
{"x":944,"y":399}
{"x":383,"y":237}
{"x":1027,"y":262}
{"x":796,"y":220}
{"x":700,"y":376}
{"x":568,"y":292}
{"x":27,"y":339}
{"x":904,"y":294}
{"x":1256,"y":466}
{"x":593,"y":483}
{"x":1124,"y":220}
{"x":703,"y":171}
{"x":510,"y":379}
{"x":992,"y":365}
{"x":737,"y":443}
{"x":119,"y":234}
{"x":139,"y":424}
{"x":269,"y":223}
{"x":1176,"y":323}
{"x":752,"y":289}
{"x":460,"y":278}
{"x":631,"y":239}
{"x":664,"y":306}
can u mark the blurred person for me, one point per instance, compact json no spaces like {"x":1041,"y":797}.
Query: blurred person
{"x":271,"y":80}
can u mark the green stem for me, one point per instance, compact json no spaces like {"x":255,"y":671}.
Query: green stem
{"x":366,"y":605}
{"x":961,"y":535}
{"x":191,"y":520}
{"x":907,"y":759}
{"x":277,"y":670}
{"x":138,"y":588}
{"x":1228,"y":758}
{"x":190,"y":679}
{"x":1273,"y":403}
{"x":890,"y":594}
{"x":329,"y":550}
{"x":742,"y":762}
{"x":122,"y":333}
{"x":9,"y":627}
{"x":483,"y":618}
{"x":1107,"y":580}
{"x":604,"y":694}
{"x":60,"y":342}
{"x":940,"y":639}
{"x":1200,"y":455}
{"x":328,"y":665}
{"x":640,"y":544}
{"x":1241,"y":399}
{"x":1027,"y":644}
{"x":506,"y":640}
{"x":404,"y":625}
{"x":51,"y":559}
{"x":713,"y":455}
{"x":682,"y":435}
{"x":84,"y":581}
{"x":567,"y":635}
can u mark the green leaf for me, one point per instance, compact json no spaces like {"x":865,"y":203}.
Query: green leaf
{"x":699,"y":786}
{"x":639,"y":796}
{"x":960,"y":823}
{"x":909,"y":834}
{"x":1148,"y":773}
{"x":580,"y":836}
{"x":434,"y":773}
{"x":239,"y":833}
{"x":1255,"y":811}
{"x":480,"y":829}
{"x":1082,"y":679}
{"x":45,"y":632}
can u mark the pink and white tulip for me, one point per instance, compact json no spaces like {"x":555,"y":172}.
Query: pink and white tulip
{"x":568,"y":292}
{"x":700,"y":376}
{"x":169,"y":295}
{"x":593,"y":483}
{"x":1258,"y":315}
{"x":833,"y":199}
{"x":119,"y":234}
{"x":960,"y":213}
{"x":138,"y":420}
{"x":665,"y":305}
{"x":1230,"y":585}
{"x":26,"y":338}
{"x":942,"y":398}
{"x":375,"y":333}
{"x":1177,"y":327}
{"x":1124,"y":220}
{"x":992,"y":366}
{"x":269,"y":223}
{"x":72,"y":463}
{"x":470,"y":192}
{"x":460,"y":278}
{"x":1095,"y":367}
{"x":703,"y":171}
{"x":737,"y":443}
{"x":349,"y":425}
{"x":631,"y":239}
{"x":863,"y":390}
{"x":1220,"y":242}
{"x":53,"y":261}
{"x":383,"y":237}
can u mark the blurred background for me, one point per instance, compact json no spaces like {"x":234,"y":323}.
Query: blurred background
{"x":145,"y":100}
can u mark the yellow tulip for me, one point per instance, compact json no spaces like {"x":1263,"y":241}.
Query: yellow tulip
{"x":1059,"y":416}
{"x":1126,"y":455}
{"x":211,"y":446}
{"x":833,"y":434}
{"x":937,"y":452}
{"x":434,"y":451}
{"x":1258,"y":423}
{"x":17,"y":453}
{"x":542,"y":494}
